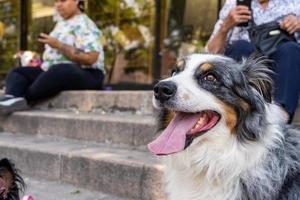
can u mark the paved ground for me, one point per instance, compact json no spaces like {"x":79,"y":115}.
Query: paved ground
{"x":45,"y":190}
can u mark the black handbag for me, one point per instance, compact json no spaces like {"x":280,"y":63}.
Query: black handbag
{"x":266,"y":38}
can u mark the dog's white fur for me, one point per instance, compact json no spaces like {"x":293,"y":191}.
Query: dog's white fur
{"x":212,"y":165}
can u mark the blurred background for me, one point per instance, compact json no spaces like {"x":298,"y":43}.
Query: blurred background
{"x":142,"y":38}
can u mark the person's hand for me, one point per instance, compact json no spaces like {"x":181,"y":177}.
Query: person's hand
{"x":51,"y":41}
{"x":291,"y":24}
{"x":237,"y":15}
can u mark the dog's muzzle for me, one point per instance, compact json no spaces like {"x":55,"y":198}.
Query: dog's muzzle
{"x":164,"y":90}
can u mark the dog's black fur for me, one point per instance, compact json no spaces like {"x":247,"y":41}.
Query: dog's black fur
{"x":11,"y":182}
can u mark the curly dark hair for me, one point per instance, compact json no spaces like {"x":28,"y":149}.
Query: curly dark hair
{"x":11,"y":183}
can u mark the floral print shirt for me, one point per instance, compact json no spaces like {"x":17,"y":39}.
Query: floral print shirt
{"x":275,"y":10}
{"x":79,"y":32}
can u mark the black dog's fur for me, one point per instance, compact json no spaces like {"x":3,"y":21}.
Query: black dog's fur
{"x":11,"y":183}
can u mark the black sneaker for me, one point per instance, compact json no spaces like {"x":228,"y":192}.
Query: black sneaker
{"x":9,"y":104}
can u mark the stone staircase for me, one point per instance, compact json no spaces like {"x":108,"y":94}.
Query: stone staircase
{"x":91,"y":139}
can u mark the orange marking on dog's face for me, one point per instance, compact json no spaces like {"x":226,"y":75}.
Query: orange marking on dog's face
{"x":230,"y":116}
{"x":206,"y":66}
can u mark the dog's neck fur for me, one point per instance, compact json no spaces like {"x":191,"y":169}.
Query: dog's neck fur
{"x":229,"y":170}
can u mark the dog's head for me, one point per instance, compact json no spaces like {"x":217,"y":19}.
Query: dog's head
{"x":211,"y":98}
{"x":11,"y":183}
{"x":27,"y":59}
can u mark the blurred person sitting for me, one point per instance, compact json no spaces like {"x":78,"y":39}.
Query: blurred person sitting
{"x":233,"y":41}
{"x":72,"y":60}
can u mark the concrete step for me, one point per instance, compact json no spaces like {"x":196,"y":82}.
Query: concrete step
{"x":138,"y":102}
{"x":134,"y":130}
{"x":110,"y":169}
{"x":54,"y":190}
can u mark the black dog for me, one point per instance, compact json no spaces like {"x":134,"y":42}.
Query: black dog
{"x":11,"y":183}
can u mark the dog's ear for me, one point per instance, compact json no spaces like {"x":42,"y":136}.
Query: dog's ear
{"x":257,"y":72}
{"x":11,"y":183}
{"x":256,"y":90}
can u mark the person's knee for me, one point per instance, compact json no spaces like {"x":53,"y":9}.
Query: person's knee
{"x":287,"y":48}
{"x":13,"y":73}
{"x":239,"y":49}
{"x":16,"y":70}
{"x":242,"y":44}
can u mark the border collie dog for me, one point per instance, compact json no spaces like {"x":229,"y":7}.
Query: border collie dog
{"x":222,"y":138}
{"x":11,"y":183}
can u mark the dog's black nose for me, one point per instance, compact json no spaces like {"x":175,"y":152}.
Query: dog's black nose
{"x":163,"y":91}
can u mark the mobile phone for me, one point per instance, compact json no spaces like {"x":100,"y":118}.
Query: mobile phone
{"x":244,"y":3}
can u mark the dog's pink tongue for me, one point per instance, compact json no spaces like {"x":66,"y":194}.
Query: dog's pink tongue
{"x":172,"y":139}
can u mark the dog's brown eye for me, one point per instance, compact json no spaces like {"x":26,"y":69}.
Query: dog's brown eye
{"x":210,"y":78}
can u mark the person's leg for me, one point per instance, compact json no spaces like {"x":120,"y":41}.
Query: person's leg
{"x":239,"y":49}
{"x":17,"y":82}
{"x":286,"y":76}
{"x":19,"y":79}
{"x":64,"y":77}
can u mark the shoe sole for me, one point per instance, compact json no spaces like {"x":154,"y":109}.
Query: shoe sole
{"x":16,"y":106}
